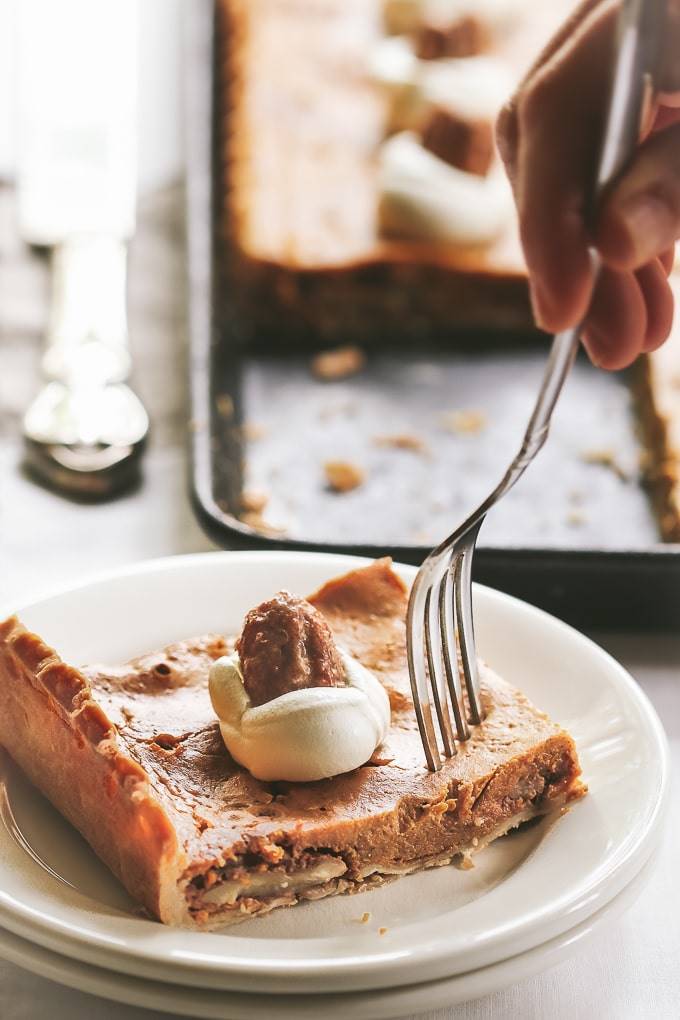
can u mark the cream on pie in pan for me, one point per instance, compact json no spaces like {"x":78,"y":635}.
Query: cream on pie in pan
{"x":133,"y":756}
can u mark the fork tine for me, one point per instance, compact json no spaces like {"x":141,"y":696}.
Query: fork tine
{"x":446,"y":618}
{"x":433,"y":647}
{"x":466,"y":632}
{"x":416,"y":667}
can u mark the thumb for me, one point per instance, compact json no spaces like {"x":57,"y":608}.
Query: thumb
{"x":640,"y":218}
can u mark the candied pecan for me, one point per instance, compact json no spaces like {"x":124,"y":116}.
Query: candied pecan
{"x":465,"y":144}
{"x":286,"y":645}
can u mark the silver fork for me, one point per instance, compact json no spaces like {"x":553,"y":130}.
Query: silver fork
{"x":440,"y":604}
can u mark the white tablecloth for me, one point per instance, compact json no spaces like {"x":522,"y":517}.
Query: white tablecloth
{"x":630,"y":972}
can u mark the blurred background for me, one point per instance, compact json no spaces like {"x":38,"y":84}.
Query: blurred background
{"x":94,"y":141}
{"x":159,"y":107}
{"x":46,"y":538}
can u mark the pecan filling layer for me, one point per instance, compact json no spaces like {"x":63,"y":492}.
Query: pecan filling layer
{"x":455,"y":829}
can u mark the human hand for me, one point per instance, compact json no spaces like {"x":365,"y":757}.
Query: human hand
{"x":548,"y":135}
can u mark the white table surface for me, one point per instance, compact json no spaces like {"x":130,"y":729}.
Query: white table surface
{"x":630,"y":971}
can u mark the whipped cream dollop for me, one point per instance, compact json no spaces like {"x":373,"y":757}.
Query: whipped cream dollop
{"x":303,"y":735}
{"x":424,"y":198}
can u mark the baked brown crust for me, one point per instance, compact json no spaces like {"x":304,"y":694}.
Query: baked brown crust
{"x":68,"y":747}
{"x":133,"y":757}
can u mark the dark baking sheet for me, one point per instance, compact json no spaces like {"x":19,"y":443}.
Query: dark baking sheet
{"x":577,"y":536}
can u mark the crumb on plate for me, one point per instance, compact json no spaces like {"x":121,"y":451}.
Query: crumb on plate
{"x":365,"y":917}
{"x":382,"y":931}
{"x":254,"y":500}
{"x":338,"y":363}
{"x":463,"y":421}
{"x":343,"y":475}
{"x":576,"y":518}
{"x":606,"y":458}
{"x":255,"y":520}
{"x":402,"y":441}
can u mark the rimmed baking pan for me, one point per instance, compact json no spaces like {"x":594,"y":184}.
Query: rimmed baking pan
{"x":430,"y":431}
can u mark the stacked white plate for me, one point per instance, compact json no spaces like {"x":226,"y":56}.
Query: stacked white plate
{"x":430,"y":940}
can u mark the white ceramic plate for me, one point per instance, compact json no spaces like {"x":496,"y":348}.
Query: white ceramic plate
{"x":382,"y":1004}
{"x":525,"y":890}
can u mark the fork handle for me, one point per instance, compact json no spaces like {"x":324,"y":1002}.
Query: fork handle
{"x":563,"y":352}
{"x":639,"y":40}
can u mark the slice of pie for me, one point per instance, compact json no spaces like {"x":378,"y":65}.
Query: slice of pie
{"x":132,"y":755}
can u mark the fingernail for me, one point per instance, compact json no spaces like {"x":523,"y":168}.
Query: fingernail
{"x":590,"y":344}
{"x":650,"y":224}
{"x":538,"y":303}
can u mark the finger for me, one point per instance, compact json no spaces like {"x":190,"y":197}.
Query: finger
{"x":641,"y":216}
{"x":507,"y":122}
{"x":559,"y":129}
{"x":615,"y":329}
{"x":507,"y":138}
{"x":658,"y":298}
{"x":669,"y":78}
{"x":667,"y":259}
{"x":665,"y":117}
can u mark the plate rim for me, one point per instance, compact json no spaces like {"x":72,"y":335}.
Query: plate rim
{"x":383,"y":1003}
{"x":231,"y":972}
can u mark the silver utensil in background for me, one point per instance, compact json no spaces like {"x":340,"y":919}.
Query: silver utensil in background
{"x":77,"y":86}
